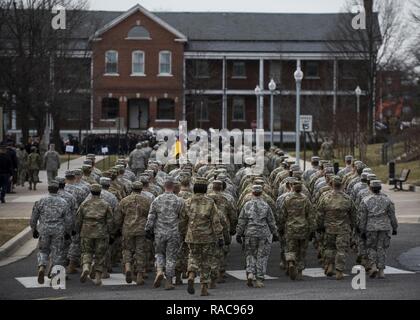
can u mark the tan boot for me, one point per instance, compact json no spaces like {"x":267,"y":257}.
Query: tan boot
{"x":299,"y":275}
{"x":221,"y":278}
{"x":158,"y":279}
{"x":339,"y":275}
{"x":212,"y":284}
{"x":330,"y":270}
{"x":250,"y":280}
{"x":85,"y":273}
{"x":373,"y":271}
{"x":178,"y":280}
{"x":72,"y":268}
{"x":98,"y":278}
{"x":128,"y":273}
{"x":259,"y":284}
{"x":140,"y":279}
{"x":292,"y":270}
{"x":92,"y":272}
{"x":191,"y":278}
{"x":204,"y":290}
{"x":381,"y":274}
{"x":168,"y":284}
{"x":41,"y":274}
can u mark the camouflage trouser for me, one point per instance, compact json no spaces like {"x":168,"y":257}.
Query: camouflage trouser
{"x":257,"y":251}
{"x":116,"y":251}
{"x":182,"y":258}
{"x":21,"y":176}
{"x":166,"y":251}
{"x":66,"y":248}
{"x":74,"y":251}
{"x":33,"y":176}
{"x":361,"y":246}
{"x":218,"y":261}
{"x":51,"y":174}
{"x":50,"y":247}
{"x":377,"y":242}
{"x":134,"y":250}
{"x":296,"y":252}
{"x":150,"y":254}
{"x":94,"y":248}
{"x":283,"y":249}
{"x":336,"y":248}
{"x":200,"y":259}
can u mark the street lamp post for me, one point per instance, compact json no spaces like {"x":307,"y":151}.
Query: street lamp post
{"x":258,"y":94}
{"x":272,"y":87}
{"x":298,"y":78}
{"x":358,"y":92}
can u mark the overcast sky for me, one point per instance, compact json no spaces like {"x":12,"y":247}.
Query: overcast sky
{"x":223,"y":5}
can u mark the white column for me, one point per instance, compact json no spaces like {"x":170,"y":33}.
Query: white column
{"x":261,"y":84}
{"x":13,"y":119}
{"x":224,"y":100}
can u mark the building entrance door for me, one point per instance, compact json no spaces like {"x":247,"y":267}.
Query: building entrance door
{"x":138,"y":113}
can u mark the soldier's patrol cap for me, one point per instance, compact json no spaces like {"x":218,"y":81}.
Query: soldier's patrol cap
{"x":53,"y":183}
{"x":90,"y":156}
{"x":144,"y":178}
{"x":364,"y":175}
{"x":104,"y":181}
{"x":69,"y":173}
{"x":376,"y":183}
{"x":95,"y":187}
{"x":329,"y":170}
{"x":297,"y":173}
{"x":257,"y":188}
{"x":60,"y":180}
{"x":296,"y":182}
{"x":137,"y":185}
{"x":294,"y":167}
{"x":169,"y":179}
{"x":222,"y":177}
{"x":371,"y":177}
{"x":360,"y":166}
{"x":139,"y":145}
{"x":155,"y":147}
{"x":120,"y":167}
{"x":367,"y":170}
{"x":280,"y":152}
{"x":259,"y":181}
{"x":88,"y":161}
{"x":315,"y":159}
{"x":86,"y":166}
{"x":200,"y":181}
{"x":357,"y":162}
{"x":348,"y":158}
{"x":217,"y":182}
{"x":250,"y":161}
{"x":337,"y":180}
{"x":77,"y":172}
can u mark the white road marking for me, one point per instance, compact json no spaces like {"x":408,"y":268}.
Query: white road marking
{"x":118,"y":279}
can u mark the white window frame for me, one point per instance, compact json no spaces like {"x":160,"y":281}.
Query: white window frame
{"x":165,"y":74}
{"x":243,"y":108}
{"x":133,"y":72}
{"x":112,"y":74}
{"x":233,"y":68}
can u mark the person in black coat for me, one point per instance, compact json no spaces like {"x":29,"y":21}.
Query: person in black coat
{"x":6,"y":172}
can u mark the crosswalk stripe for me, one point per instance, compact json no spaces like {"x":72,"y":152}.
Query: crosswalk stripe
{"x":118,"y":279}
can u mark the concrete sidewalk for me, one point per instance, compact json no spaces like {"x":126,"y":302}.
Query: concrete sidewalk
{"x":19,"y":205}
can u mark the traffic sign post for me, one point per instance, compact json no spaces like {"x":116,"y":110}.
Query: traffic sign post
{"x":69,"y":149}
{"x":305,"y":126}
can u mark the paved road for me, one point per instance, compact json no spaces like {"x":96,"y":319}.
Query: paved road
{"x":396,"y":286}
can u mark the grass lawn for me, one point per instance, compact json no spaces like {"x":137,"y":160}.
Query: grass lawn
{"x":374,"y":159}
{"x":11,"y":227}
{"x":106,"y":163}
{"x":64,"y":157}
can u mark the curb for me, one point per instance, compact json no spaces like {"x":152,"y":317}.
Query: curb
{"x":15,"y":243}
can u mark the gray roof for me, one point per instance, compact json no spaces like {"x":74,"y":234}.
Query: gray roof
{"x":241,"y":32}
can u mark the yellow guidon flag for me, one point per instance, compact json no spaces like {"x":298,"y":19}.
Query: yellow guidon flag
{"x":178,"y":148}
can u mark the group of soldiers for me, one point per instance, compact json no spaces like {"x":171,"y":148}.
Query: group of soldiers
{"x":177,"y":220}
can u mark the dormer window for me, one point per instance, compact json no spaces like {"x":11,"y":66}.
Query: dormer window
{"x":138,"y":33}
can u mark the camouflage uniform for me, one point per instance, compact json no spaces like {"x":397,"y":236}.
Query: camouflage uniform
{"x":377,"y":219}
{"x":34,"y":165}
{"x":200,"y":223}
{"x":55,"y":219}
{"x":256,"y":224}
{"x":131,"y":217}
{"x":137,"y":160}
{"x":94,"y":223}
{"x":163,"y":221}
{"x":51,"y":164}
{"x":297,"y":222}
{"x":336,"y":213}
{"x":22,"y":157}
